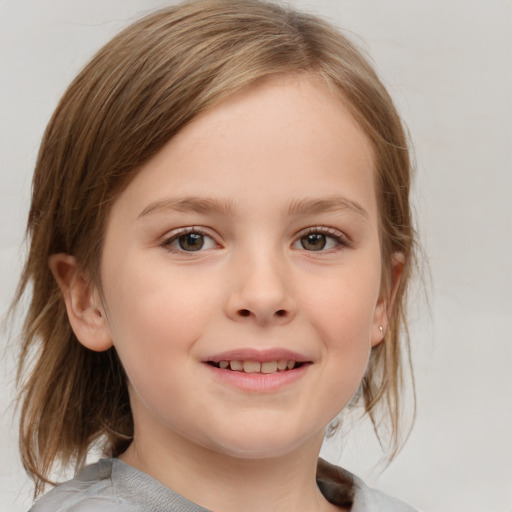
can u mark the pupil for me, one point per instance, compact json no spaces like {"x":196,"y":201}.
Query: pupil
{"x":191,"y":242}
{"x":313,"y":242}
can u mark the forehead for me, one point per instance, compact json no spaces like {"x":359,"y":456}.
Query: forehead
{"x":282,"y":139}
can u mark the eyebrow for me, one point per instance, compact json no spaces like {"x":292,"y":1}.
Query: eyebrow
{"x":307,"y":206}
{"x":189,"y":204}
{"x":336,"y":203}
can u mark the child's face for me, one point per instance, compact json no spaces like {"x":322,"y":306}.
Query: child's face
{"x":251,"y":236}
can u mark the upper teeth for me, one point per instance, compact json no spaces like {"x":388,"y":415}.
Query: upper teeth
{"x":257,"y":367}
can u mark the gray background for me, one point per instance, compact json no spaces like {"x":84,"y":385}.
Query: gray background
{"x":448,"y":65}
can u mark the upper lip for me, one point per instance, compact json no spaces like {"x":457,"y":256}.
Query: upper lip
{"x":248,"y":354}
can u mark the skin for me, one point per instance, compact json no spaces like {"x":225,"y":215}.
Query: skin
{"x":271,"y":165}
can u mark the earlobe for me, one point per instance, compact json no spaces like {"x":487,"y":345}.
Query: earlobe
{"x":85,"y":311}
{"x":386,"y":303}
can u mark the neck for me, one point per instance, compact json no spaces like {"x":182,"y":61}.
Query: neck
{"x":221,"y":482}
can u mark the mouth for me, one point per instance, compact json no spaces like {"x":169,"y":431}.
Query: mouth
{"x":258,"y":371}
{"x":265,"y":367}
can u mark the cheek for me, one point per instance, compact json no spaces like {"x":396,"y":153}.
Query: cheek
{"x":342,"y":312}
{"x":153,"y":294}
{"x":155,"y":315}
{"x":344,"y":307}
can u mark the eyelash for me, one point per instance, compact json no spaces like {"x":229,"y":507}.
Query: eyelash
{"x":168,"y":241}
{"x":340,"y":240}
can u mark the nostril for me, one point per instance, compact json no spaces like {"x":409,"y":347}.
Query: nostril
{"x":280,"y":313}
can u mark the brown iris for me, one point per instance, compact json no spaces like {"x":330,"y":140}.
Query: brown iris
{"x":313,"y":242}
{"x":191,"y":242}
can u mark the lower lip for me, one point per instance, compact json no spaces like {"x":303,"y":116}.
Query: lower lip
{"x":258,"y":382}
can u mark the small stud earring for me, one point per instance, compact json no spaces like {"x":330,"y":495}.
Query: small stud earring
{"x":381,"y":329}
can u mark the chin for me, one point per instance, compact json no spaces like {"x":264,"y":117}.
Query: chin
{"x":257,"y":445}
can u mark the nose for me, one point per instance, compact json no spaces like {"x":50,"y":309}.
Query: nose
{"x":261,"y":291}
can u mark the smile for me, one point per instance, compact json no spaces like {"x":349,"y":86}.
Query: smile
{"x":267,"y":367}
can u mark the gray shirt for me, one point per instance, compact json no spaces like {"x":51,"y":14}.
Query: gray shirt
{"x":110,"y":485}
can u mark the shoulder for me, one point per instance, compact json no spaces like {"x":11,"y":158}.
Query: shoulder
{"x":110,"y":485}
{"x":367,"y":499}
{"x":90,"y":490}
{"x":343,"y":488}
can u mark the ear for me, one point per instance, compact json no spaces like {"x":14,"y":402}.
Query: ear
{"x":386,"y":302}
{"x":85,"y":311}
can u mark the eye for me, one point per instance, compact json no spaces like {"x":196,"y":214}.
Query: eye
{"x":189,"y":240}
{"x":321,"y":239}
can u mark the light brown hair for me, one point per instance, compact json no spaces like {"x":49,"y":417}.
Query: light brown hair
{"x":136,"y":93}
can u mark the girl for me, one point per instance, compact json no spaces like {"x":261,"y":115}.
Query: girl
{"x":220,"y":249}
